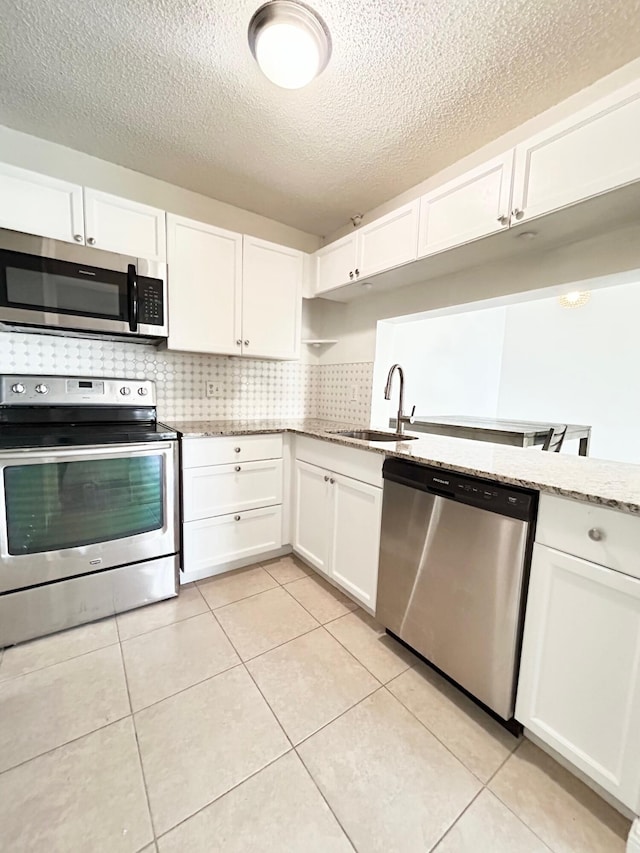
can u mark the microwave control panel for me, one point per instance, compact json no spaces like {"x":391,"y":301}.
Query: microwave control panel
{"x":150,"y":302}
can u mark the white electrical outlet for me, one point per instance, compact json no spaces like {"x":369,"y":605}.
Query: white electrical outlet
{"x":211,"y":388}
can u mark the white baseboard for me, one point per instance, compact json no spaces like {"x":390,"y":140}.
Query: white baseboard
{"x":633,"y":841}
{"x":189,"y":577}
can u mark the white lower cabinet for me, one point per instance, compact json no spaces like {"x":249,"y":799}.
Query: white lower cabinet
{"x":357,"y":512}
{"x":579,"y":686}
{"x":232,"y":511}
{"x":337,"y":528}
{"x":311,"y":520}
{"x":215,"y":542}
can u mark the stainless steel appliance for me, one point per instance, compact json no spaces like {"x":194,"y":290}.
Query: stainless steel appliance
{"x":88,"y":502}
{"x":454,"y":562}
{"x":51,"y":286}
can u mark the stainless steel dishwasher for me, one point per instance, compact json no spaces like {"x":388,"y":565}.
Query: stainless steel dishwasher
{"x":454,"y":563}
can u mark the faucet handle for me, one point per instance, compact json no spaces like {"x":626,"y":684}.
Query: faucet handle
{"x":413,"y":411}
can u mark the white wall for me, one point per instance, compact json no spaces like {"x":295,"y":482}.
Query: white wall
{"x":577,"y":365}
{"x":533,"y":360}
{"x":452,"y":364}
{"x":30,"y":152}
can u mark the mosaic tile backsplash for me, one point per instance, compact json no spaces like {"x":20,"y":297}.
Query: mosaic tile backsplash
{"x":246,"y":388}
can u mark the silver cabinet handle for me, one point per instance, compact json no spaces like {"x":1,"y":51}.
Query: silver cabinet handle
{"x":237,"y":449}
{"x":351,"y":275}
{"x":503,"y":220}
{"x":357,"y":272}
{"x":517,"y":213}
{"x":595,"y":534}
{"x":77,"y":238}
{"x":236,"y":518}
{"x":238,"y":468}
{"x":91,"y":241}
{"x":246,"y":343}
{"x":331,"y":480}
{"x":239,"y":342}
{"x":326,"y":478}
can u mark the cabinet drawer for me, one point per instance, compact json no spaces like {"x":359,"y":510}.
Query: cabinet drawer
{"x":565,"y":525}
{"x":365,"y":465}
{"x":213,"y":541}
{"x":199,"y":452}
{"x":222,"y":489}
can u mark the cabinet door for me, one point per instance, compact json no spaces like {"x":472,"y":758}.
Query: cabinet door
{"x":579,"y":688}
{"x":119,"y":225}
{"x":389,"y":241}
{"x":336,"y":263}
{"x":356,"y":510}
{"x":311,"y":525}
{"x":271,"y":300}
{"x":469,"y":207}
{"x":593,"y":151}
{"x":205,"y":287}
{"x":37,"y":204}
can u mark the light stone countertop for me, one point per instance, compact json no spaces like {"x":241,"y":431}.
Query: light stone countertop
{"x":611,"y":484}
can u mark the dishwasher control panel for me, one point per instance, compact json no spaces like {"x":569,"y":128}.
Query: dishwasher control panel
{"x":496,"y":497}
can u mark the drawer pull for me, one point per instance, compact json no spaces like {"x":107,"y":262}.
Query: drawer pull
{"x":237,"y":449}
{"x":595,"y":534}
{"x":331,"y":480}
{"x":238,"y":468}
{"x":326,"y":478}
{"x":236,"y":518}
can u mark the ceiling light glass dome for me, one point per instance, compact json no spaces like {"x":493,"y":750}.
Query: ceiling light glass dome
{"x":290,"y":43}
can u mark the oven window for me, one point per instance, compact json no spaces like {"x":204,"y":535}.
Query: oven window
{"x":61,"y":505}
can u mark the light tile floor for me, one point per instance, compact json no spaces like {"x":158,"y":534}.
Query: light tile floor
{"x":263,"y":711}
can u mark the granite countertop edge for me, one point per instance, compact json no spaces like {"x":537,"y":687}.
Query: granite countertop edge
{"x":615,"y":485}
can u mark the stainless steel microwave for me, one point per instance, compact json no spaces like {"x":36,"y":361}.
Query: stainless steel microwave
{"x":55,"y":287}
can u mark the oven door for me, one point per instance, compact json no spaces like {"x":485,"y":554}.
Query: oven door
{"x":69,"y":512}
{"x":44,"y":283}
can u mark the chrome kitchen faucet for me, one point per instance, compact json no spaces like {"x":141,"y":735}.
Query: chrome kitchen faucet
{"x":402,"y":418}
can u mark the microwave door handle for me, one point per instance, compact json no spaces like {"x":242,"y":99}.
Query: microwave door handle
{"x":132,"y":294}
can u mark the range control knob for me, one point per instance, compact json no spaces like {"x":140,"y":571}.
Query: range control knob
{"x":18,"y":388}
{"x":142,"y":391}
{"x":125,"y":391}
{"x":42,"y":388}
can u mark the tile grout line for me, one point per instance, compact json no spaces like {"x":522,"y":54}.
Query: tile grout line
{"x":326,"y":801}
{"x":64,"y":660}
{"x":188,"y":687}
{"x":135,"y":734}
{"x":162,"y":627}
{"x":506,"y":805}
{"x":66,"y":743}
{"x":459,"y":817}
{"x":220,"y":796}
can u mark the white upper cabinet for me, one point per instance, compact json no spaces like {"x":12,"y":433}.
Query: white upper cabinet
{"x":205,"y":287}
{"x":38,"y":204}
{"x":579,"y":686}
{"x":116,"y":224}
{"x":336,"y":263}
{"x":466,"y":208}
{"x":271,"y":300}
{"x":592,"y":151}
{"x":389,"y":241}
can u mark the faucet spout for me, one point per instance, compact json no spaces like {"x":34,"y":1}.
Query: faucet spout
{"x":387,"y":394}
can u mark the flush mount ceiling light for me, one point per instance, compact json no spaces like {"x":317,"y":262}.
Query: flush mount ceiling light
{"x":575,"y":299}
{"x":290,"y":43}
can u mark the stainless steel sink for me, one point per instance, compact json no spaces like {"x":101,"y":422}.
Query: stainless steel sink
{"x":373,"y":435}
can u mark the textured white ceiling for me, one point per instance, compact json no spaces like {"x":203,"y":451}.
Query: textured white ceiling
{"x":169,"y":88}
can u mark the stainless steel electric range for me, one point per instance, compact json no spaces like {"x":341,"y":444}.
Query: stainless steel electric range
{"x":88,"y":502}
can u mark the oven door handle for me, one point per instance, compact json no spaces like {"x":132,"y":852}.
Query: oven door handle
{"x":132,"y":295}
